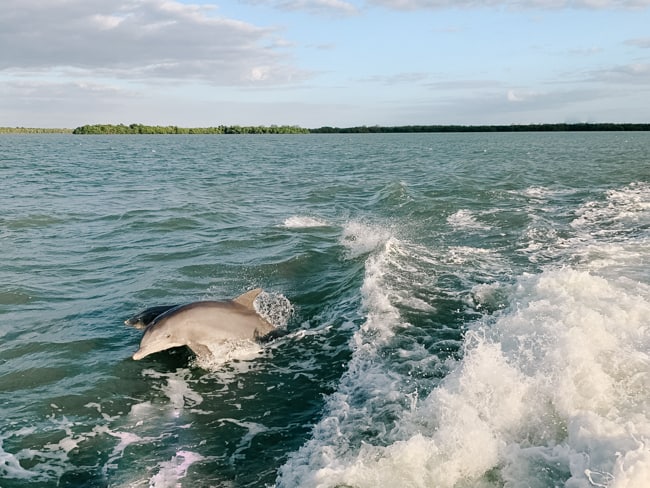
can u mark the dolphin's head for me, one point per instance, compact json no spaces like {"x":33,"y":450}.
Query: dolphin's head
{"x":158,"y":337}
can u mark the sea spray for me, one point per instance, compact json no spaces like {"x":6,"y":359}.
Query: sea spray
{"x":371,"y":396}
{"x":557,"y":383}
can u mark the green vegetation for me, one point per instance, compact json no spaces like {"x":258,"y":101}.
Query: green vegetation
{"x":581,"y":127}
{"x":32,"y":130}
{"x":294,"y":129}
{"x":172,"y":129}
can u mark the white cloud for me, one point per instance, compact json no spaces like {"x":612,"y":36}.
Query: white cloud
{"x":467,"y":85}
{"x":517,"y":4}
{"x":515,"y":96}
{"x":643,"y":42}
{"x":259,"y":73}
{"x":397,"y":79}
{"x":634,"y":73}
{"x":63,"y":104}
{"x":105,"y":22}
{"x":319,"y":7}
{"x":330,"y":8}
{"x":518,"y":105}
{"x":139,"y":39}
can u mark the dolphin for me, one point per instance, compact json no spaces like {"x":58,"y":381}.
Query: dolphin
{"x":197,"y":325}
{"x":143,"y":319}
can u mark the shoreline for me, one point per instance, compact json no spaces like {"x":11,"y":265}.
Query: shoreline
{"x":140,"y":129}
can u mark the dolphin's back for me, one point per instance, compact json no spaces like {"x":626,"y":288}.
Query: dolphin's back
{"x":221,"y":320}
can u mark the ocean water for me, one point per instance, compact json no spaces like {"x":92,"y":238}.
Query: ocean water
{"x":461,"y":310}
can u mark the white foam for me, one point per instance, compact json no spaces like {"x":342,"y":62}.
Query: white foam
{"x":236,"y":353}
{"x":538,"y":192}
{"x":622,"y":208}
{"x":140,"y":411}
{"x":125,"y":440}
{"x":252,"y":430}
{"x":468,"y":254}
{"x":10,"y":466}
{"x":51,"y":461}
{"x":609,"y":235}
{"x":360,"y":238}
{"x":465,"y":219}
{"x":551,"y":391}
{"x":172,"y":471}
{"x":488,"y":296}
{"x":367,"y":388}
{"x":177,"y":389}
{"x":612,"y":235}
{"x":415,"y":304}
{"x":303,"y":222}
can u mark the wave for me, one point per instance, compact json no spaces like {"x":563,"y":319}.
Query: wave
{"x":375,"y":388}
{"x":553,"y":389}
{"x":549,"y":386}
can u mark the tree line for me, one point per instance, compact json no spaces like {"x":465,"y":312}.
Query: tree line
{"x":294,"y":129}
{"x":561,"y":127}
{"x":173,"y":129}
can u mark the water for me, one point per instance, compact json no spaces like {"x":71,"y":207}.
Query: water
{"x":462,"y":310}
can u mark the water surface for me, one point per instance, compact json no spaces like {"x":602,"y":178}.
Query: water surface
{"x":462,"y":310}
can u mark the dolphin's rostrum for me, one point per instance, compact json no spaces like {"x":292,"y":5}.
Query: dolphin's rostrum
{"x":198,"y":325}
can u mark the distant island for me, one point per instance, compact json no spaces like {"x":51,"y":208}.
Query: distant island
{"x":109,"y":129}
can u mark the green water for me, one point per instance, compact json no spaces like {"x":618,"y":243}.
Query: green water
{"x":392,"y":261}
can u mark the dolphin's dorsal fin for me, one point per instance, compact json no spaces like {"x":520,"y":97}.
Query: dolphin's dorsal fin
{"x":248,"y":298}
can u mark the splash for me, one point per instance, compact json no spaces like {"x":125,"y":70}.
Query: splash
{"x":237,"y":354}
{"x":369,"y":395}
{"x":551,"y":390}
{"x":275,"y":308}
{"x":303,"y":222}
{"x":360,"y":238}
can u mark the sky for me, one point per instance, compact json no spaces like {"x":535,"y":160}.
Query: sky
{"x":313,"y":63}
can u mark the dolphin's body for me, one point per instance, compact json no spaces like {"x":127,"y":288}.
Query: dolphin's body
{"x":143,"y":319}
{"x":201,"y":324}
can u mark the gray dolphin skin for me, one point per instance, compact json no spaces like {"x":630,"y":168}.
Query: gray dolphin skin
{"x":197,"y":325}
{"x":143,"y":319}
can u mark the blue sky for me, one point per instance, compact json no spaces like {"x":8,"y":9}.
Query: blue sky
{"x":65,"y":63}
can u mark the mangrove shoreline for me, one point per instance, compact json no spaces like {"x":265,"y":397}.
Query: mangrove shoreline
{"x":117,"y":129}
